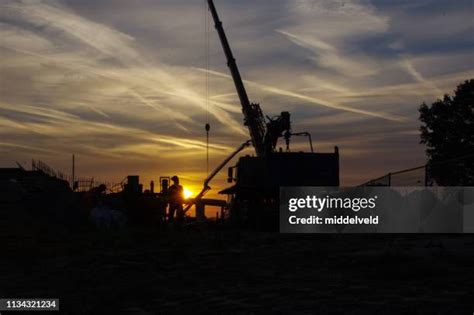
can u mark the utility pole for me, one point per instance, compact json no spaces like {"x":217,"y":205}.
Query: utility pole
{"x":73,"y":172}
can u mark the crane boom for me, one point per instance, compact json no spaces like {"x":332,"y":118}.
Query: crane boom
{"x":206,"y":186}
{"x":253,"y":115}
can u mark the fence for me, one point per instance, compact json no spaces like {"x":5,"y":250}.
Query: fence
{"x":81,"y":184}
{"x":46,"y":169}
{"x":454,"y":172}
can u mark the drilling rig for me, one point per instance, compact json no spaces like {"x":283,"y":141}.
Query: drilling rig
{"x":254,"y":197}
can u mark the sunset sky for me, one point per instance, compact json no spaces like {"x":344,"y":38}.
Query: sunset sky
{"x":121,"y":83}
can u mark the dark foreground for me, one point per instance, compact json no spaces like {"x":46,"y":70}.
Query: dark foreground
{"x":136,"y":271}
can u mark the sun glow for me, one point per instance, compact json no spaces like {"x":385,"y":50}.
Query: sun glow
{"x":187,"y":193}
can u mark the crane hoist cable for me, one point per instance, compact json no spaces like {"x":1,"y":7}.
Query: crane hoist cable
{"x":208,"y":127}
{"x":207,"y":96}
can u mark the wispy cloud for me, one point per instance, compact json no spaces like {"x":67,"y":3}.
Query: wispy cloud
{"x":314,"y":100}
{"x":76,"y":76}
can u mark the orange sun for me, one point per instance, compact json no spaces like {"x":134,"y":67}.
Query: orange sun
{"x":187,"y":193}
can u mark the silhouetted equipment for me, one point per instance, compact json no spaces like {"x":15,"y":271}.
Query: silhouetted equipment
{"x":36,"y":196}
{"x":164,"y":184}
{"x":255,"y":194}
{"x":133,"y":184}
{"x":152,"y":187}
{"x":141,"y":207}
{"x":206,"y":186}
{"x":32,"y":181}
{"x":201,"y":207}
{"x":254,"y":197}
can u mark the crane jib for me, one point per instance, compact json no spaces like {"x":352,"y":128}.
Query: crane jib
{"x":253,"y":116}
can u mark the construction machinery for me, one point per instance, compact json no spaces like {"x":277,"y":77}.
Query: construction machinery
{"x":254,"y":197}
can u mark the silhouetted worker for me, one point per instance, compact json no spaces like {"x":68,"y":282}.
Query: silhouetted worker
{"x":175,"y":193}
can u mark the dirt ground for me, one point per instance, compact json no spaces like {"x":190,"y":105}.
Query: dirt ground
{"x":216,"y":270}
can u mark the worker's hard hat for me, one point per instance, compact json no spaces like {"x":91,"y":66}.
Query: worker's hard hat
{"x":174,"y":178}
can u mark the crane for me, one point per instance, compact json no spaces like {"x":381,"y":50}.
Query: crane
{"x":264,"y":135}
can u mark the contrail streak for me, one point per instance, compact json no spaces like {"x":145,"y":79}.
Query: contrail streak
{"x":313,"y":100}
